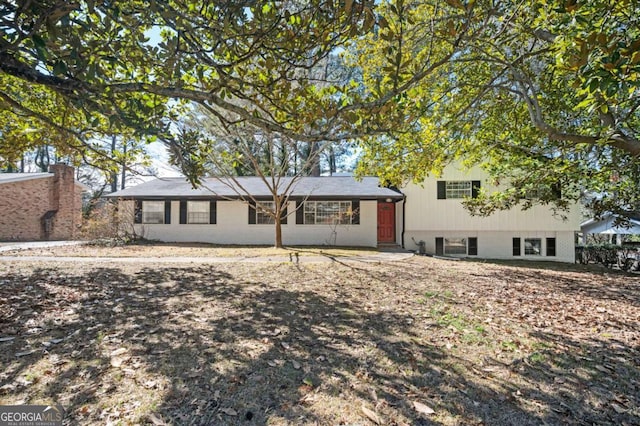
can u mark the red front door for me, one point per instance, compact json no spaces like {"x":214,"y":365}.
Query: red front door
{"x":386,"y":223}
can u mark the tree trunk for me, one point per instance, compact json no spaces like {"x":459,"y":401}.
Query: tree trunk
{"x":314,"y":158}
{"x":278,"y":231}
{"x":124,"y":165}
{"x":277,"y":220}
{"x":114,"y":175}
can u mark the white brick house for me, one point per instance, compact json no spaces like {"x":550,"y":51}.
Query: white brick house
{"x":369,"y":215}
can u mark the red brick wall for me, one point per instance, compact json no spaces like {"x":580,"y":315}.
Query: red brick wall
{"x":23,"y":203}
{"x":67,"y":196}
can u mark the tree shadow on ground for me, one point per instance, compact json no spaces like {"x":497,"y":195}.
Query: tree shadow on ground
{"x":207,"y":345}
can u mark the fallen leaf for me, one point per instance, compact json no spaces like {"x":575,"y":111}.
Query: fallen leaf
{"x":157,"y":421}
{"x":119,"y":351}
{"x":229,"y":411}
{"x":617,"y":408}
{"x":422,"y":408}
{"x":118,"y":361}
{"x":371,"y":415}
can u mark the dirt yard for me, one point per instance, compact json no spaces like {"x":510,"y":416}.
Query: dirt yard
{"x":422,"y":341}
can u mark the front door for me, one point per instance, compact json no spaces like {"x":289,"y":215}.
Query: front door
{"x":386,"y":222}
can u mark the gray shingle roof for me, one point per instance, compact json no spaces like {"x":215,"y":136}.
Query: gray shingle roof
{"x":315,"y":187}
{"x":17,"y":177}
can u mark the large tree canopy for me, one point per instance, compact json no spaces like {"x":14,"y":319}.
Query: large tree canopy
{"x":541,"y":93}
{"x":89,"y":67}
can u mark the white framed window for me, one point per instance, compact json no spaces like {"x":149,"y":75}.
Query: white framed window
{"x":328,"y":212}
{"x":458,"y":189}
{"x":198,"y":211}
{"x":533,"y":246}
{"x":263,"y":218}
{"x":153,"y":212}
{"x":455,"y":246}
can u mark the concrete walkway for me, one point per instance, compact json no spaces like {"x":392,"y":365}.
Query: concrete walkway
{"x":8,"y":246}
{"x":372,"y":258}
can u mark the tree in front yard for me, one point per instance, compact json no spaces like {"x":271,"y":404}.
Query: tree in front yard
{"x":228,"y":152}
{"x":541,"y":94}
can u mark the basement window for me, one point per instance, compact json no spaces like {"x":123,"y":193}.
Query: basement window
{"x":533,"y":246}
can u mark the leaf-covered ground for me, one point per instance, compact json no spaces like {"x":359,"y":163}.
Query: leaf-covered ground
{"x":423,"y":341}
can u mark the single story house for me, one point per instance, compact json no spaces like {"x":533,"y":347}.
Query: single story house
{"x":321,"y":211}
{"x":348,"y":212}
{"x":608,"y":225}
{"x":40,"y":206}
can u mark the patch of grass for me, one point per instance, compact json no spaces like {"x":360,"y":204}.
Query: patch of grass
{"x":537,"y":357}
{"x":509,"y":345}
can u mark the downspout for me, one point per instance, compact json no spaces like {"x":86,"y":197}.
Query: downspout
{"x":404,"y":202}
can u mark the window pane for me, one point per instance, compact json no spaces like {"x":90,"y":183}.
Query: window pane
{"x":153,"y":212}
{"x":458,"y":189}
{"x":346,"y":213}
{"x":327,"y":212}
{"x":263,"y":218}
{"x":455,"y":246}
{"x":533,"y":246}
{"x":198,"y":211}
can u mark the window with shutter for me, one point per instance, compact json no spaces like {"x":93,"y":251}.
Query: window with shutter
{"x":516,"y":246}
{"x":473,"y":246}
{"x":551,"y":246}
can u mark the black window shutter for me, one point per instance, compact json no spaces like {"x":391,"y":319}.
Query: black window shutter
{"x":213,"y":213}
{"x":473,"y":246}
{"x":439,"y":246}
{"x":252,"y":212}
{"x":355,"y":212}
{"x":551,"y":246}
{"x":284,"y":214}
{"x":183,"y":212}
{"x":137,"y":211}
{"x":516,"y":246}
{"x":167,"y":212}
{"x":299,"y":213}
{"x":475,"y":188}
{"x":442,"y":190}
{"x":557,"y":191}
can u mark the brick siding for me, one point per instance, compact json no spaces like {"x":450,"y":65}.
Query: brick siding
{"x":24,"y":203}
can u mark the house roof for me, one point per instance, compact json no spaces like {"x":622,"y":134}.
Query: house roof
{"x":607,"y":225}
{"x":316,"y":187}
{"x":17,"y":177}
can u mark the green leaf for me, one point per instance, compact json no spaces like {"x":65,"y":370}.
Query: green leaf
{"x":59,"y":68}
